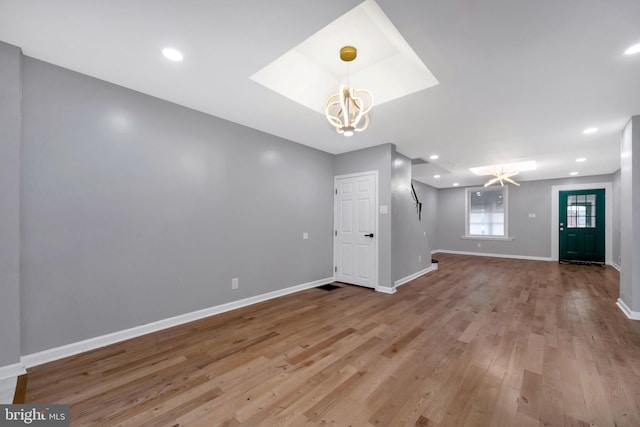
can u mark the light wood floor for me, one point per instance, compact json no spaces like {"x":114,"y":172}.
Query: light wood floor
{"x":480,"y":342}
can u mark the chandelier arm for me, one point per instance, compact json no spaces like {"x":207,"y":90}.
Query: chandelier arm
{"x":335,"y":98}
{"x":344,"y":104}
{"x":491,"y":181}
{"x":357,"y":115}
{"x":356,"y":119}
{"x":366,"y":123}
{"x":362,"y":112}
{"x":334,"y":119}
{"x":370,"y":104}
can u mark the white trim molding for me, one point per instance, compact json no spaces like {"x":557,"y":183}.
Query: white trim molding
{"x":507,"y":239}
{"x":608,"y":216}
{"x":486,"y":254}
{"x":386,"y":289}
{"x":633,"y":315}
{"x":45,"y":356}
{"x":11,"y":371}
{"x":432,"y":267}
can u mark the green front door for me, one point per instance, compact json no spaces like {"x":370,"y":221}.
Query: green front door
{"x":582,"y":225}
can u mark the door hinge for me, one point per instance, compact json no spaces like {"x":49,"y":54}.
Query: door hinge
{"x":336,"y":233}
{"x":336,"y":191}
{"x":335,"y":269}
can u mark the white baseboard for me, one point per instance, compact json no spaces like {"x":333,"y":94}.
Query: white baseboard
{"x":633,"y":315}
{"x":11,"y":371}
{"x":616,"y":266}
{"x":432,"y":267}
{"x":386,"y":289}
{"x":526,"y":257}
{"x":45,"y":356}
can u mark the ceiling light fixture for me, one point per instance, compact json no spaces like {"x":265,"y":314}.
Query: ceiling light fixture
{"x":590,"y":130}
{"x":581,"y":159}
{"x":436,"y":176}
{"x":573,"y":173}
{"x":633,"y":49}
{"x":497,"y":171}
{"x":348,"y":110}
{"x":172,"y":54}
{"x":434,"y":157}
{"x":502,"y":177}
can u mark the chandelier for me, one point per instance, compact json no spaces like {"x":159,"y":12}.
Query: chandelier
{"x":348,"y":109}
{"x":502,"y":177}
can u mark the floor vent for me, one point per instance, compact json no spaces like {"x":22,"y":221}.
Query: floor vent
{"x":328,"y":287}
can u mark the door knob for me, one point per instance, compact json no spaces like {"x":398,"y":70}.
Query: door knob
{"x":368,"y":235}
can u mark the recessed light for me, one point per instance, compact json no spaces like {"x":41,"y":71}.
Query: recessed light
{"x":590,"y":130}
{"x":581,"y":159}
{"x":455,"y":184}
{"x":633,"y":49}
{"x":436,"y":176}
{"x":172,"y":54}
{"x":434,"y":157}
{"x":573,"y":173}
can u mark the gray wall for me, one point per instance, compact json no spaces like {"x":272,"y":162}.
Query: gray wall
{"x":616,"y":179}
{"x":411,"y":252}
{"x":630,"y":215}
{"x":429,"y":197}
{"x":532,"y":236}
{"x":136,"y":209}
{"x":10,"y":127}
{"x":375,"y":158}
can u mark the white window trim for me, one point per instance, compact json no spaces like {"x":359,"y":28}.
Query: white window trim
{"x":473,"y":237}
{"x":468,"y":236}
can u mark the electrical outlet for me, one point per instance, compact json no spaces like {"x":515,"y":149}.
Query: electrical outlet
{"x":419,"y":258}
{"x":305,"y":236}
{"x":235,"y":283}
{"x":479,"y":245}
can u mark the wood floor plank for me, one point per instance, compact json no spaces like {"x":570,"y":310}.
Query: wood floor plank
{"x":479,"y":342}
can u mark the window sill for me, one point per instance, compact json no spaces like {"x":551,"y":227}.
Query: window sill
{"x":502,"y":239}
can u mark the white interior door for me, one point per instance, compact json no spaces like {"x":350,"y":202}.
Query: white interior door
{"x":355,"y":233}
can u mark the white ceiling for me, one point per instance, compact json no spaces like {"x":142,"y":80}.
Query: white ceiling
{"x":519,"y":80}
{"x":313,"y":71}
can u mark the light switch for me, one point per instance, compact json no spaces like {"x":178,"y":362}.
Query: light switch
{"x":305,"y":236}
{"x":384,"y":210}
{"x":532,"y":215}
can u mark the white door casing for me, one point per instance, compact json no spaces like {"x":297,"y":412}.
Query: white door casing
{"x":356,"y":229}
{"x":608,"y":231}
